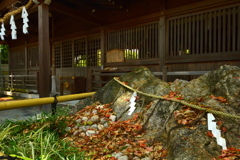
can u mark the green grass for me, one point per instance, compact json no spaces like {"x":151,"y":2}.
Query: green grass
{"x":41,"y":139}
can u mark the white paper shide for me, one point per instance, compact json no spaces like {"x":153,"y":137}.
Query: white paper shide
{"x":25,"y":20}
{"x":216,"y":132}
{"x":13,"y":27}
{"x":2,"y":31}
{"x":132,"y":103}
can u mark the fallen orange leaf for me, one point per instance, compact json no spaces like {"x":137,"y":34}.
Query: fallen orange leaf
{"x":224,"y":129}
{"x":219,"y":122}
{"x":209,"y":134}
{"x":220,"y":98}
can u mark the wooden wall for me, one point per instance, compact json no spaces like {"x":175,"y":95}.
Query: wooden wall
{"x":172,"y":10}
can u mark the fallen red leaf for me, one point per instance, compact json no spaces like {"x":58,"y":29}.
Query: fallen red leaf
{"x":200,"y":99}
{"x":143,"y":145}
{"x":179,"y":98}
{"x":135,"y":117}
{"x":209,"y":134}
{"x":142,"y":141}
{"x":224,"y":129}
{"x":220,"y":98}
{"x":219,"y":122}
{"x":126,"y":83}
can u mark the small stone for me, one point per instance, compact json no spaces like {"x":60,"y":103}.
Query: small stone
{"x":146,"y":158}
{"x":90,"y":132}
{"x":94,"y":118}
{"x":100,"y":127}
{"x":136,"y":158}
{"x":113,"y":118}
{"x":94,"y":126}
{"x":100,"y":107}
{"x":84,"y":119}
{"x":94,"y":111}
{"x":82,"y":134}
{"x":78,"y":121}
{"x":68,"y":129}
{"x":75,"y":133}
{"x":118,"y":155}
{"x":105,"y":125}
{"x":84,"y":128}
{"x":87,"y":113}
{"x":123,"y":157}
{"x":76,"y":126}
{"x":103,"y":120}
{"x":80,"y":129}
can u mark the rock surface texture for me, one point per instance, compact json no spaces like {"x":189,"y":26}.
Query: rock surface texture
{"x":180,"y":129}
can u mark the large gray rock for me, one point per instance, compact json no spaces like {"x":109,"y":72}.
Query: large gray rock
{"x":181,"y":142}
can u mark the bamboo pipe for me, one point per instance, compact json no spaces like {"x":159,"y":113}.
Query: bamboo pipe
{"x":41,"y":101}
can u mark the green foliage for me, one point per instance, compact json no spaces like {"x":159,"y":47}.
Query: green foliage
{"x":38,"y":139}
{"x":4,"y":53}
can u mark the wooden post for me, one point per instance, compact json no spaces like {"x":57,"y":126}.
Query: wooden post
{"x":37,"y":82}
{"x":44,"y":51}
{"x":54,"y":85}
{"x":162,"y":39}
{"x":164,"y":70}
{"x":89,"y":80}
{"x":12,"y":80}
{"x":26,"y":58}
{"x":103,"y":39}
{"x":162,"y":36}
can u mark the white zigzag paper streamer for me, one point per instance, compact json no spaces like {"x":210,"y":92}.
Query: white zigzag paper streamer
{"x":216,"y":132}
{"x":25,"y":20}
{"x":13,"y":27}
{"x":132,"y":103}
{"x":2,"y":33}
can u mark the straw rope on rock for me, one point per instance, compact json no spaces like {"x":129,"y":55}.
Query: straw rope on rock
{"x":180,"y":101}
{"x":178,"y":119}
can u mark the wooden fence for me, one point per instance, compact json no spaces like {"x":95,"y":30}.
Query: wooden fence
{"x":27,"y":83}
{"x":98,"y":78}
{"x":209,"y":32}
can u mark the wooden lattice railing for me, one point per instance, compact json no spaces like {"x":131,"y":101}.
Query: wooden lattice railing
{"x":214,"y":31}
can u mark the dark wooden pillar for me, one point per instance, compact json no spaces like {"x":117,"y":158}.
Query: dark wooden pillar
{"x":162,"y":35}
{"x":44,"y":51}
{"x":103,"y":40}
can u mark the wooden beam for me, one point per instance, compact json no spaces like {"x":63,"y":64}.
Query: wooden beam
{"x":204,"y":58}
{"x":198,"y":6}
{"x":76,"y":14}
{"x":133,"y":63}
{"x":5,"y":3}
{"x":44,"y":50}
